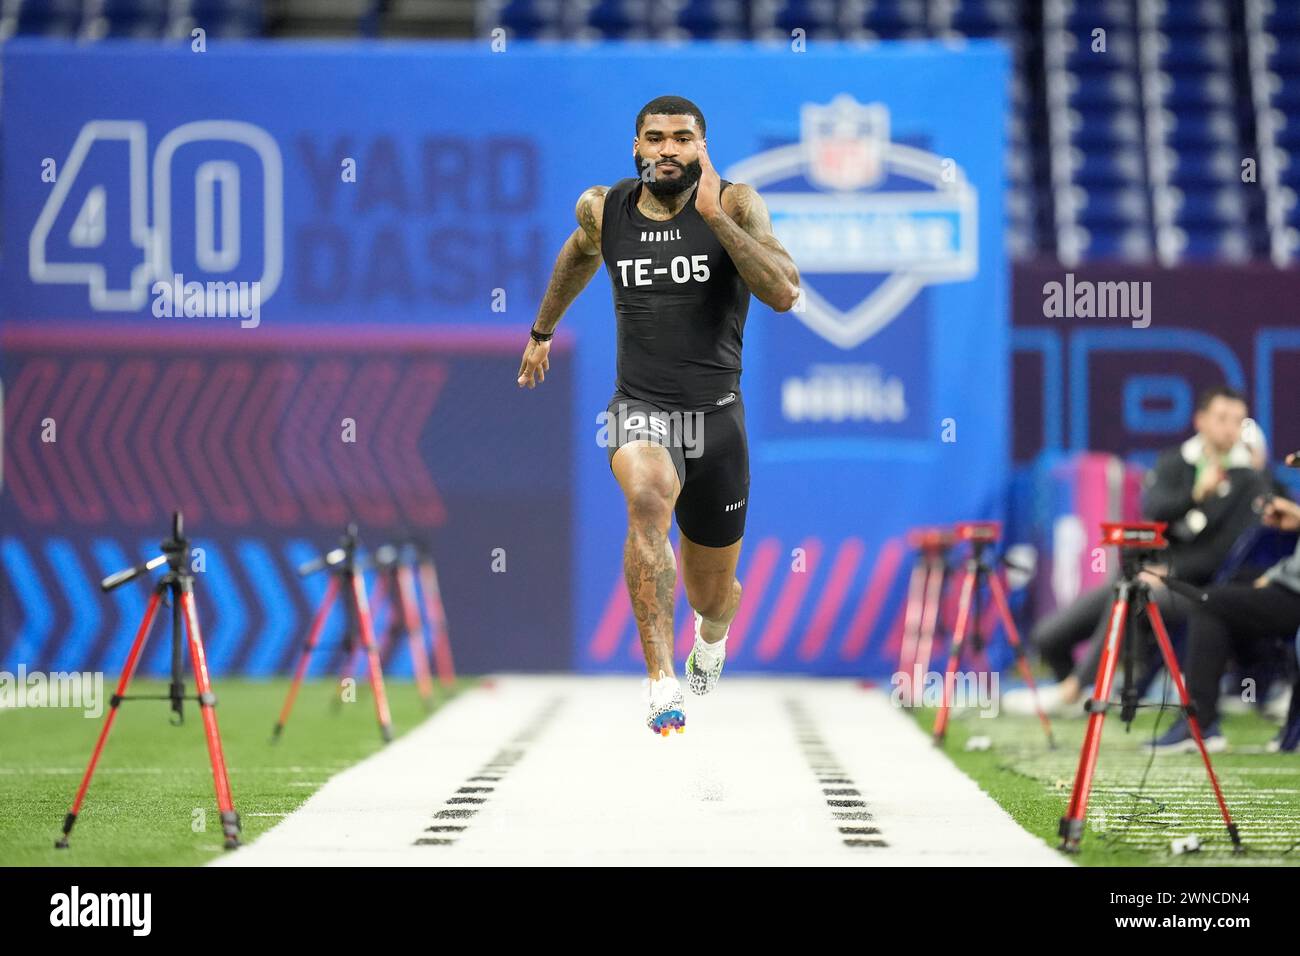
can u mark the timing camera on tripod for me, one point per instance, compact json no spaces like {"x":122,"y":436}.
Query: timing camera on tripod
{"x":397,"y":567}
{"x":1138,"y":544}
{"x":921,"y":624}
{"x":981,"y":571}
{"x":347,"y":584}
{"x":177,"y":586}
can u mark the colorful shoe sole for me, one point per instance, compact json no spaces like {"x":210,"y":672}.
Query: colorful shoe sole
{"x":669,"y":721}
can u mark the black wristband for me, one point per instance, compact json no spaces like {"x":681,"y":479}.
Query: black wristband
{"x":540,"y":336}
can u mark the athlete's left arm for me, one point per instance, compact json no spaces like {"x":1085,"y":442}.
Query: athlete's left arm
{"x":739,"y":219}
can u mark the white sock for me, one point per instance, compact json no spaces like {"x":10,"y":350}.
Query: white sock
{"x":709,"y":653}
{"x":661,"y":689}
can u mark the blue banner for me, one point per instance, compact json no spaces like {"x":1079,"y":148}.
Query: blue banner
{"x":311,"y":234}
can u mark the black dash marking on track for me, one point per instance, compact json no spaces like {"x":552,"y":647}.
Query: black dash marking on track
{"x":492,"y":771}
{"x":829,"y":772}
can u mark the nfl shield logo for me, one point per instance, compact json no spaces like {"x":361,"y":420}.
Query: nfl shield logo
{"x":845,"y":142}
{"x":880,"y":223}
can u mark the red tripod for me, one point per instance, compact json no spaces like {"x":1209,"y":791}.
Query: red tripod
{"x":1138,"y":543}
{"x":397,"y":567}
{"x":436,"y":612}
{"x":178,"y":584}
{"x":345,"y":577}
{"x":395,"y":586}
{"x":982,"y":534}
{"x":924,"y":595}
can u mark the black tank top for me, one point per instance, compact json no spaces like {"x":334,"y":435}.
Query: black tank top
{"x":679,"y":301}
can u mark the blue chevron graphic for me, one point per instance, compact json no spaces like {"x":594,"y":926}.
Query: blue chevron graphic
{"x":313,"y":588}
{"x":158,"y":655}
{"x":280,"y":616}
{"x":129,"y":600}
{"x":225,"y":605}
{"x":38,"y":617}
{"x":251,"y":612}
{"x":83,"y":606}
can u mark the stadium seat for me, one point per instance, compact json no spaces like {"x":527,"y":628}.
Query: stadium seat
{"x":1124,"y":206}
{"x":612,"y":19}
{"x":47,"y":17}
{"x":1127,"y":244}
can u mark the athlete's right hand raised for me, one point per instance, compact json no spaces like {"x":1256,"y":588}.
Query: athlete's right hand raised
{"x":537,"y":359}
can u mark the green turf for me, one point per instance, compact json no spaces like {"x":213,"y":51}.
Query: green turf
{"x":1138,"y":804}
{"x":151,"y":801}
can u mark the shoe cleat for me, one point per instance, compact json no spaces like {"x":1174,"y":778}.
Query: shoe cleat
{"x":668,"y":721}
{"x":666,"y":711}
{"x":701,"y":680}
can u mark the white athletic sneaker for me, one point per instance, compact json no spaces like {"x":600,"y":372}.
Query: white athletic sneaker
{"x":1020,"y":701}
{"x":704,"y":665}
{"x":664,"y":696}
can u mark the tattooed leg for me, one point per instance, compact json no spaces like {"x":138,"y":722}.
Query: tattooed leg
{"x":649,"y":482}
{"x":651,"y":576}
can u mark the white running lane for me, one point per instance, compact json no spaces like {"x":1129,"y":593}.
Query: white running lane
{"x":574,"y":777}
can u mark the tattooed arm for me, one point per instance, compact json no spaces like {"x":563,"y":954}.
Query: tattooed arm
{"x":577,"y":262}
{"x":739,"y":219}
{"x":744,"y":229}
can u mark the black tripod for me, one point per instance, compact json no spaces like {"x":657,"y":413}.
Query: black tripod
{"x":178,"y":585}
{"x":1138,"y":545}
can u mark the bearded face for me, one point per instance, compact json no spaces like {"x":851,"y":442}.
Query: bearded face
{"x":667,"y":177}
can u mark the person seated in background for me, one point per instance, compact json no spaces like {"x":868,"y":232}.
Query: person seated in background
{"x":1205,"y":491}
{"x":1241,"y":620}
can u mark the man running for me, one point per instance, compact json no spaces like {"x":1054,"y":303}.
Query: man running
{"x":684,"y":250}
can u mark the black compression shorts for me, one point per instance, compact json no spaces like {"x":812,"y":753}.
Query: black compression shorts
{"x":710,"y":452}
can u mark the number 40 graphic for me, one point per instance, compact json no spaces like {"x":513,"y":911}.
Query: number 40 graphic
{"x":92,"y":228}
